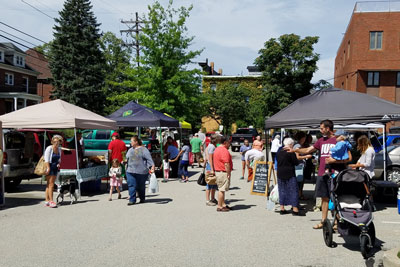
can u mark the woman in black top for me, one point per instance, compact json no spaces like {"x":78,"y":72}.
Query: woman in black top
{"x":287,"y":182}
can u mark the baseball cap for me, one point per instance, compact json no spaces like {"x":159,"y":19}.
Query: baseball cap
{"x":115,"y":134}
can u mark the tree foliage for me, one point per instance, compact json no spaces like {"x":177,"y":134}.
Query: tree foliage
{"x":77,"y":63}
{"x":288,"y":64}
{"x":117,"y":58}
{"x":163,"y":81}
{"x":227,"y":104}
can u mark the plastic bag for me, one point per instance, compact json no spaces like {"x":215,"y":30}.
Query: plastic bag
{"x":274,"y":196}
{"x":153,"y":186}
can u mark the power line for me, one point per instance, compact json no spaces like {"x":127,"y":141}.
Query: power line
{"x":18,"y":38}
{"x":37,"y":9}
{"x":15,"y":29}
{"x":12,"y":40}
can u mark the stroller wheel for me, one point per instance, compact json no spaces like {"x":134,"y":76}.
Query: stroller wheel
{"x":364,"y":244}
{"x":58,"y":199}
{"x":327,"y":231}
{"x":371,"y":233}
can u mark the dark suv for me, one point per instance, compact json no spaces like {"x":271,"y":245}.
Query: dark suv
{"x":237,"y":139}
{"x":18,"y":157}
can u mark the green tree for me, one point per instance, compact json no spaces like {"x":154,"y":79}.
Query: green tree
{"x":163,"y":81}
{"x":288,"y":64}
{"x":77,"y":63}
{"x":117,"y":57}
{"x":322,"y":84}
{"x":227,"y":104}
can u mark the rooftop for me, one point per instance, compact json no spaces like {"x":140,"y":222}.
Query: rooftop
{"x":377,"y":6}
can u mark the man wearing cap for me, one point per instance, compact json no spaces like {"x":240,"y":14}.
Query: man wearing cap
{"x":116,"y":148}
{"x":253,"y":155}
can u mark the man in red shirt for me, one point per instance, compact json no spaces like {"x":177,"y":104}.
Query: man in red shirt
{"x":223,"y":166}
{"x":116,"y":148}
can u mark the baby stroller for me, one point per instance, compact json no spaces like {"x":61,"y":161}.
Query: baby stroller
{"x":350,"y":195}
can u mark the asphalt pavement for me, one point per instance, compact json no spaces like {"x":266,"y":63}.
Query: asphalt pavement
{"x":176,"y":228}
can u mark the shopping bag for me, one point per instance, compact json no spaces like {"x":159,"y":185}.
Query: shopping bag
{"x":153,"y":186}
{"x":191,"y":158}
{"x":41,"y":167}
{"x":274,"y":196}
{"x":202,"y":179}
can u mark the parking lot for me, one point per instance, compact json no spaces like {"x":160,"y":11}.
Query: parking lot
{"x":175,"y":228}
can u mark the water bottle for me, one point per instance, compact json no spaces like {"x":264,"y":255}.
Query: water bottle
{"x":398,"y":201}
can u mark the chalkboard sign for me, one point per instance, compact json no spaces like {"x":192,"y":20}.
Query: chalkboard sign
{"x":262,"y":172}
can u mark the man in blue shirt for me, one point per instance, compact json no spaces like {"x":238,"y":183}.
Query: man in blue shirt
{"x":173,"y":152}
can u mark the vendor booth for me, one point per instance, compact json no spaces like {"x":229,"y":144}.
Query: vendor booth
{"x":344,"y":108}
{"x":59,"y":114}
{"x":135,"y":115}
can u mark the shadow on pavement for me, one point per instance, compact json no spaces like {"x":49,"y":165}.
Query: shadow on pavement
{"x":352,"y":243}
{"x":23,"y":188}
{"x":242,"y":207}
{"x":234,"y":188}
{"x":233,"y":200}
{"x":14,"y":202}
{"x":159,"y":200}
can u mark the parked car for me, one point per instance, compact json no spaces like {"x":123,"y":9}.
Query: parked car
{"x":237,"y":139}
{"x":96,"y":141}
{"x":392,"y":164}
{"x":391,"y":139}
{"x":38,"y":145}
{"x":17,"y":157}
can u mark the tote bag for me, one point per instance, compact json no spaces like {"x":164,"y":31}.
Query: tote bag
{"x":41,"y":167}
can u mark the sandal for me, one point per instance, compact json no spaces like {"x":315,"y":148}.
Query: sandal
{"x":318,"y":226}
{"x":52,"y":204}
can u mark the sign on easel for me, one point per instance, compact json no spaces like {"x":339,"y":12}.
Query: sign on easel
{"x":261,"y":178}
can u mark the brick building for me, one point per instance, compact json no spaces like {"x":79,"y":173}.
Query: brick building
{"x":41,"y":64}
{"x":18,"y":80}
{"x":212,"y":80}
{"x":368,"y":58}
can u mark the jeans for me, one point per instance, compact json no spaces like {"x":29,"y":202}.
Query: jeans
{"x":183,"y":168}
{"x":136,"y":182}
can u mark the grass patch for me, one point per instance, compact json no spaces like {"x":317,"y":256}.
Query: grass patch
{"x":398,"y":254}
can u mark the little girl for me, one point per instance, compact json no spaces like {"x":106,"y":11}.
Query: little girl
{"x":115,"y":178}
{"x":166,"y":167}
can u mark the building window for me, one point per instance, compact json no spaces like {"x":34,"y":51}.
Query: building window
{"x":373,"y":78}
{"x":398,"y":79}
{"x":1,"y":56}
{"x":348,"y":50}
{"x":375,"y":40}
{"x":9,"y":79}
{"x":25,"y":83}
{"x":213,"y":86}
{"x":19,"y":61}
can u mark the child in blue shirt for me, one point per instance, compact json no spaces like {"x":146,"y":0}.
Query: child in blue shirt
{"x":340,"y":150}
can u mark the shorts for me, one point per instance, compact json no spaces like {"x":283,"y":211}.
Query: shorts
{"x":211,"y":186}
{"x":223,"y":182}
{"x":197,"y":156}
{"x":322,"y":186}
{"x":53,"y":169}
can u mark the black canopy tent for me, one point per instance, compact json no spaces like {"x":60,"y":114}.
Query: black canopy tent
{"x":135,"y":115}
{"x":343,"y":107}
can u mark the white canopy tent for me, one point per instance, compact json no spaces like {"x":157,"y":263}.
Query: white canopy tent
{"x":57,"y":114}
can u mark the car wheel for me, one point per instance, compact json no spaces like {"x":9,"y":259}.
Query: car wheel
{"x":393,"y":175}
{"x":12,"y":183}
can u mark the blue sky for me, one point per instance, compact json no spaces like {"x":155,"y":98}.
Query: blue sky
{"x":230,"y":31}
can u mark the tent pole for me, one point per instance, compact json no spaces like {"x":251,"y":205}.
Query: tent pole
{"x":139,"y":128}
{"x":162,"y":154}
{"x":77,"y":160}
{"x":384,"y":152}
{"x":44,"y":150}
{"x":266,"y":144}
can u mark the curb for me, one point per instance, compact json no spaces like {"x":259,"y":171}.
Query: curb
{"x":390,"y":258}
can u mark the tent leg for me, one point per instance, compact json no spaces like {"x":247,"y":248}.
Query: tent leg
{"x":266,"y":145}
{"x":44,"y":150}
{"x":384,"y":153}
{"x":162,"y":155}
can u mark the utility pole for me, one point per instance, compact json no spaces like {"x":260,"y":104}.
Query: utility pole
{"x":133,"y":27}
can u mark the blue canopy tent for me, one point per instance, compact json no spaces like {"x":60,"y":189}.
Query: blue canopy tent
{"x":135,"y":115}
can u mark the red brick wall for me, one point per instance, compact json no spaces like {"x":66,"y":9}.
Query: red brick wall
{"x":45,"y":91}
{"x":17,"y":78}
{"x":362,"y":58}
